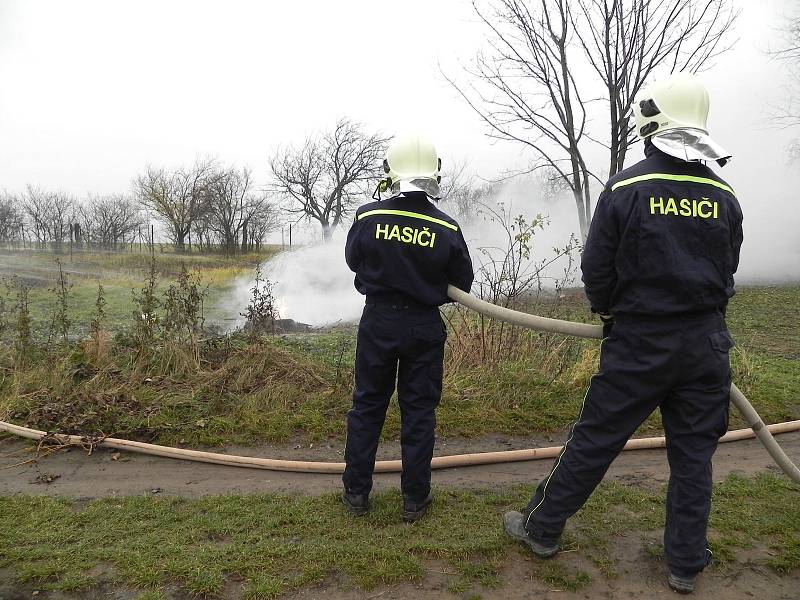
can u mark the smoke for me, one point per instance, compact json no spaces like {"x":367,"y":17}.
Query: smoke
{"x":313,"y":284}
{"x":766,"y":184}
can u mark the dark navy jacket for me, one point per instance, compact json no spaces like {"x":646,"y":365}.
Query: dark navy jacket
{"x":664,"y":240}
{"x":406,"y":247}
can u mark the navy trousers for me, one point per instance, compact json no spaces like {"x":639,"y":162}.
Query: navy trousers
{"x":403,"y":344}
{"x":680,"y":365}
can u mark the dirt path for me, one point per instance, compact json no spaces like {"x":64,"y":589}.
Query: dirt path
{"x":74,"y":474}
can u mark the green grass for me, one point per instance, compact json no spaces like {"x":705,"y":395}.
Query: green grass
{"x":766,"y":320}
{"x":119,"y":273}
{"x":249,"y":395}
{"x":275,"y":544}
{"x":754,"y":512}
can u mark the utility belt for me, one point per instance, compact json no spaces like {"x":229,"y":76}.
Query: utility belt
{"x":397,"y":302}
{"x":690,"y":315}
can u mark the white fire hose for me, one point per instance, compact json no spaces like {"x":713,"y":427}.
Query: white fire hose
{"x":596,"y":331}
{"x":757,"y":427}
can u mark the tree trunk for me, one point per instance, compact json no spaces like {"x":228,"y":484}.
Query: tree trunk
{"x":583,"y":220}
{"x":327,"y":231}
{"x":621,"y":158}
{"x":180,"y":242}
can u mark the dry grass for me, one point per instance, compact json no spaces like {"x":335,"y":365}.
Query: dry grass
{"x":119,"y":395}
{"x":262,"y":364}
{"x":498,"y":379}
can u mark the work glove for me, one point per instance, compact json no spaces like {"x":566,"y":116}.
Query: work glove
{"x":608,"y":324}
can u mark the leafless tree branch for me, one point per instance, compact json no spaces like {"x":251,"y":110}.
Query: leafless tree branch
{"x":324,"y":177}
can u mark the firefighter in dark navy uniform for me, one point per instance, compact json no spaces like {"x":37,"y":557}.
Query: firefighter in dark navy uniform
{"x":405,"y":252}
{"x":658,"y":267}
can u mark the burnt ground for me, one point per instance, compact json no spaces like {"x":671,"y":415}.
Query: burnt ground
{"x":639,"y":574}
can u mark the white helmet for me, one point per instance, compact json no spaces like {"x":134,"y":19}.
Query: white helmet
{"x":673,"y":112}
{"x":413,"y":165}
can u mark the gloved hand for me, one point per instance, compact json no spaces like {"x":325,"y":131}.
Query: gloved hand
{"x":608,"y":324}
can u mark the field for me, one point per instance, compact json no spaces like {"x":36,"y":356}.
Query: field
{"x":205,"y":389}
{"x":119,"y":273}
{"x":241,"y":390}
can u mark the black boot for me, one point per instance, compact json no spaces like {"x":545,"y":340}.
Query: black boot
{"x":683,"y":584}
{"x":414,"y":510}
{"x":356,"y":504}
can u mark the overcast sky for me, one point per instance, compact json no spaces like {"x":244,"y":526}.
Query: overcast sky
{"x":92,"y":91}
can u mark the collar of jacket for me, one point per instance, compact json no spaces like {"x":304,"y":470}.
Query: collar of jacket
{"x":651,"y":150}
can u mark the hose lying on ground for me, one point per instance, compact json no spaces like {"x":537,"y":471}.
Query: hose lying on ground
{"x":758,"y":429}
{"x":381,"y":466}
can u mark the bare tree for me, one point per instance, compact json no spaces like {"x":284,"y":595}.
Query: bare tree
{"x":175,"y":197}
{"x":259,"y":225}
{"x":235,"y":211}
{"x":202,"y":236}
{"x":550,"y":185}
{"x":108,"y":221}
{"x":11,"y":217}
{"x":50,"y":215}
{"x":788,"y":113}
{"x":625,"y":40}
{"x":325,"y":176}
{"x":525,"y":88}
{"x":463,"y":192}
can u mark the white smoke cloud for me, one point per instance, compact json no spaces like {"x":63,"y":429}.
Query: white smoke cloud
{"x":313,"y":284}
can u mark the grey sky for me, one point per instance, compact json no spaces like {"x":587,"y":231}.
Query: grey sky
{"x":91,"y":91}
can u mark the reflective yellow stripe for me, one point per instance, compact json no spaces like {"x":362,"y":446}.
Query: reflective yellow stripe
{"x":405,"y":213}
{"x":670,"y":177}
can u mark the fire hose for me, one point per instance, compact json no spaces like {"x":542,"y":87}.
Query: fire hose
{"x":757,"y":427}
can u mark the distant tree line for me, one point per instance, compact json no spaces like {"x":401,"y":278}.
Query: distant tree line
{"x":216,"y":208}
{"x":50,"y":219}
{"x":207,"y":206}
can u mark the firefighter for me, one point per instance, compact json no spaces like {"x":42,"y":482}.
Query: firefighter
{"x":404,"y":252}
{"x":658,"y":268}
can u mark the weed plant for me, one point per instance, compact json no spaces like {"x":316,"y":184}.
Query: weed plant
{"x":508,"y":277}
{"x":23,"y":340}
{"x":99,"y":337}
{"x":60,"y":324}
{"x":145,"y":315}
{"x":261,"y":312}
{"x":182,"y":324}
